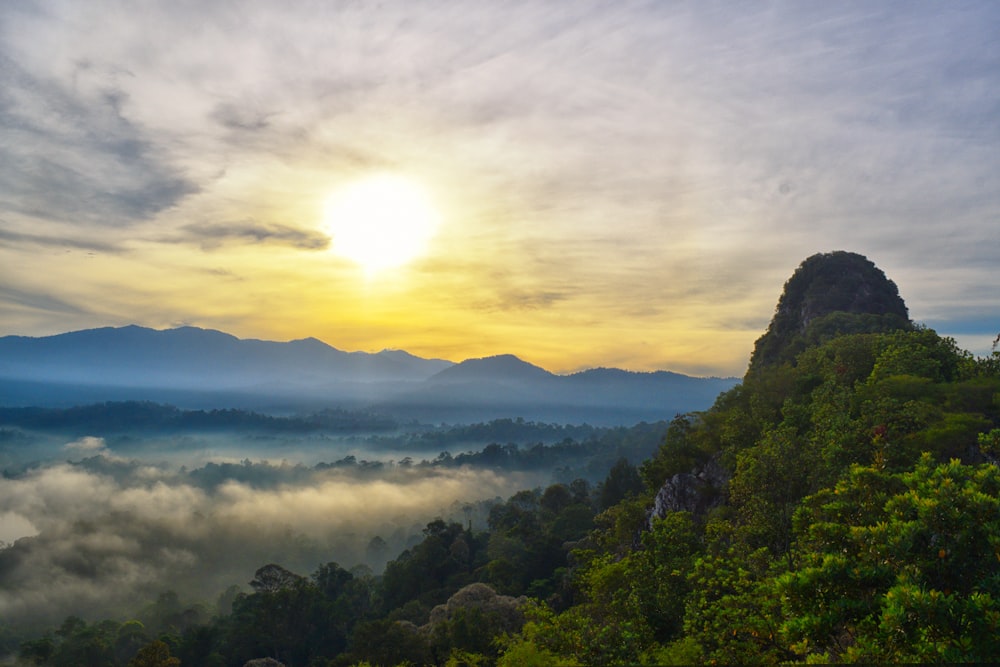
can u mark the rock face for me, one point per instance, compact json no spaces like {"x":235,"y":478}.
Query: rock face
{"x":826,"y":284}
{"x":697,"y":492}
{"x":263,"y":662}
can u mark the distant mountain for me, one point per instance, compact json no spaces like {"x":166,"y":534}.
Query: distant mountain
{"x":501,"y":368}
{"x":193,"y":358}
{"x":203,"y":368}
{"x":503,"y":386}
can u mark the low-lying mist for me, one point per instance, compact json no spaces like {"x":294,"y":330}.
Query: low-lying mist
{"x":96,"y":533}
{"x":100,"y":527}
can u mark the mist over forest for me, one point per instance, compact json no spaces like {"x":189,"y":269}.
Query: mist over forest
{"x":112,"y":531}
{"x":95,"y":524}
{"x":294,"y":453}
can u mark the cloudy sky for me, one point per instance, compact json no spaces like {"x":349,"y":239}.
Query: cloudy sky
{"x":623,"y":184}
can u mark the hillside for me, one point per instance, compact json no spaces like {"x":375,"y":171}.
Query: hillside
{"x":842,"y":504}
{"x":500,"y":386}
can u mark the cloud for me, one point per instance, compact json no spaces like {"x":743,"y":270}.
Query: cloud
{"x":597,"y":150}
{"x":57,"y":241}
{"x":71,"y":156}
{"x":214,"y":235}
{"x":18,"y":299}
{"x":521,"y":300}
{"x":88,"y":445}
{"x":13,"y":527}
{"x":239,"y":118}
{"x":111,"y":534}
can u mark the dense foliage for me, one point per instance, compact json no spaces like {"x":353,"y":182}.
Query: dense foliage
{"x":862,"y":522}
{"x":137,"y":417}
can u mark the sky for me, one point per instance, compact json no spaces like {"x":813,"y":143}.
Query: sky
{"x":619,"y":184}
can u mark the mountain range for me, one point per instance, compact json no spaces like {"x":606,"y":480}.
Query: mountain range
{"x":193,"y":367}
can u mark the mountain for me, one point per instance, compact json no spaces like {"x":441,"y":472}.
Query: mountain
{"x":830,"y":294}
{"x":503,"y":386}
{"x":193,"y":358}
{"x":202,"y":368}
{"x":410,"y":363}
{"x":500,"y":368}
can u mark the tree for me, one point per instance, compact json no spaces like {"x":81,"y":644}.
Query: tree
{"x":154,"y":654}
{"x":770,"y":480}
{"x":679,"y":453}
{"x":623,"y":480}
{"x":731,"y":615}
{"x":386,"y":642}
{"x":131,"y":637}
{"x":899,"y":567}
{"x":272,"y":578}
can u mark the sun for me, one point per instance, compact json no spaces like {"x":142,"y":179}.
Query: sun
{"x":380,"y":222}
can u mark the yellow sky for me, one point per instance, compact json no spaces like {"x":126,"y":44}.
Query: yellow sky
{"x":476,"y":291}
{"x":618,"y":185}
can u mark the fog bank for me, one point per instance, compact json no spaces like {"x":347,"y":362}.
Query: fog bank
{"x":104,"y":534}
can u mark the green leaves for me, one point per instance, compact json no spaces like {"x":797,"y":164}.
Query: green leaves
{"x":898,"y":566}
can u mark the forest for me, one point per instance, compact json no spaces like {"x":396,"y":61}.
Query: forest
{"x":841,"y":504}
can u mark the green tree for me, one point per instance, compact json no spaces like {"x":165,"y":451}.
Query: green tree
{"x":732,"y":615}
{"x":899,"y":567}
{"x":770,"y":480}
{"x":680,"y":452}
{"x":433,"y":569}
{"x":623,"y":480}
{"x":386,"y":642}
{"x":154,"y":654}
{"x":131,"y":637}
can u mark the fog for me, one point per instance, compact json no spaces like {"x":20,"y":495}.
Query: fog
{"x":97,"y":532}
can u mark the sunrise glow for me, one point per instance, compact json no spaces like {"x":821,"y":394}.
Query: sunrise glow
{"x":342,"y":171}
{"x":380,"y":222}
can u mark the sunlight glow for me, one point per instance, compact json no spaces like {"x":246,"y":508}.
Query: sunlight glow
{"x":380,"y":222}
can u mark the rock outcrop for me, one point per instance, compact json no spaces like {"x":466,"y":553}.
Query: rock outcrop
{"x":263,"y":662}
{"x":696,"y":492}
{"x":830,"y":293}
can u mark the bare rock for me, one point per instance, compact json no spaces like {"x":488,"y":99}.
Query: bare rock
{"x":696,"y":492}
{"x":263,"y":662}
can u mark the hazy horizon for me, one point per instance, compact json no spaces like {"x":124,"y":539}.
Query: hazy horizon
{"x":339,"y":348}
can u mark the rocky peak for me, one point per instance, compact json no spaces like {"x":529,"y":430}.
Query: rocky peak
{"x":826,"y":284}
